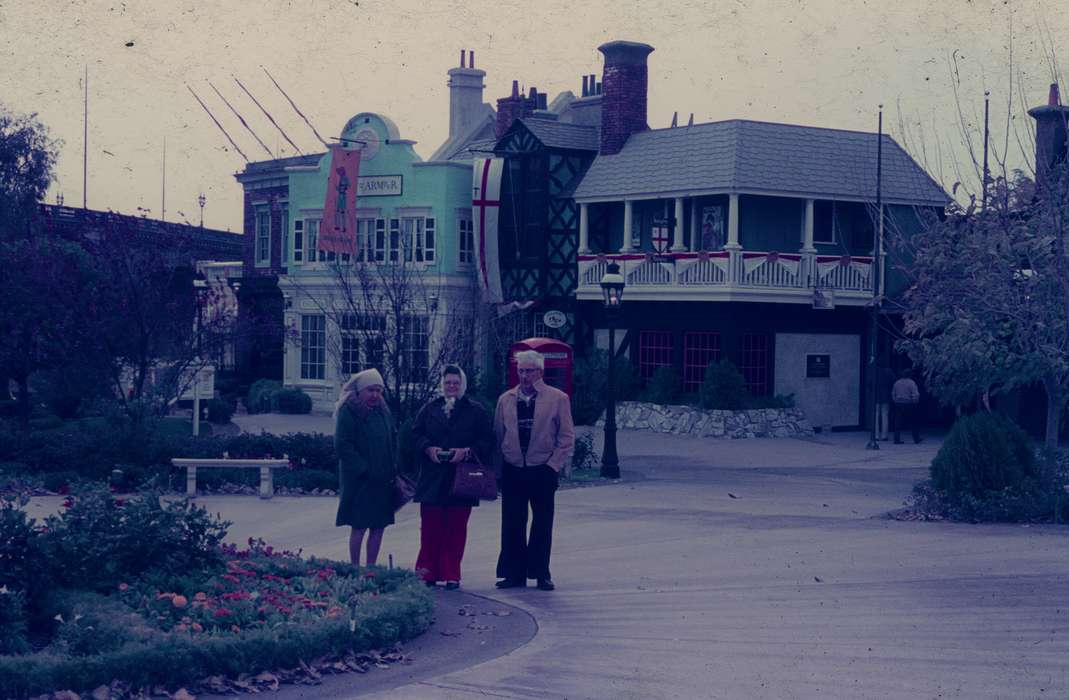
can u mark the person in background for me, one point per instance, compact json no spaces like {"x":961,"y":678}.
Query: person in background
{"x":448,"y":430}
{"x":906,"y":396}
{"x":534,"y":436}
{"x":885,"y":379}
{"x":365,"y":440}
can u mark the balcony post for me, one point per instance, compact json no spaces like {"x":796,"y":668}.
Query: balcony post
{"x":732,"y":246}
{"x":584,"y":231}
{"x":677,"y":228}
{"x":625,"y":246}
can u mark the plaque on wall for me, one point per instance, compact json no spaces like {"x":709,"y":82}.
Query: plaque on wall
{"x":817,"y":366}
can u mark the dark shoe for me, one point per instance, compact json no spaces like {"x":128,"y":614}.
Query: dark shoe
{"x":545,"y":584}
{"x":898,"y":442}
{"x":511,"y":583}
{"x":452,"y":585}
{"x":430,"y":584}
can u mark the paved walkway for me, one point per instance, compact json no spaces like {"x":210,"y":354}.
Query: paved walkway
{"x":748,"y":569}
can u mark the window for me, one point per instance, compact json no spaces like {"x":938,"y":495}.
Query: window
{"x":754,"y":359}
{"x":350,"y":344}
{"x":824,"y":222}
{"x":654,"y":350}
{"x":413,"y":235}
{"x":699,"y":349}
{"x":365,"y":240}
{"x":285,"y":235}
{"x":395,"y":240}
{"x":313,"y":346}
{"x":415,"y":348}
{"x":311,"y":229}
{"x":380,"y":240}
{"x":263,"y":237}
{"x":298,"y":240}
{"x":466,"y":242}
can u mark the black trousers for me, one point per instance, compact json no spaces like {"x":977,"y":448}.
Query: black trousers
{"x":524,"y":557}
{"x":906,"y":417}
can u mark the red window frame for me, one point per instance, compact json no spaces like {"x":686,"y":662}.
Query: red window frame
{"x":654,"y":350}
{"x":699,"y":349}
{"x":755,"y":356}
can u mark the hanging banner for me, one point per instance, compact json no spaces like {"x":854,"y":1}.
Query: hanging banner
{"x":337,"y":231}
{"x":485,"y":205}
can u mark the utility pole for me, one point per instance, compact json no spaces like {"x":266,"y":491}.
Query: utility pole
{"x":874,"y":310}
{"x":85,"y":142}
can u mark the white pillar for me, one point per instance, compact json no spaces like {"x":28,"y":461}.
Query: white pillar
{"x":584,"y":231}
{"x":628,"y":213}
{"x":695,"y":233}
{"x":807,"y":245}
{"x":733,"y":223}
{"x":677,"y":229}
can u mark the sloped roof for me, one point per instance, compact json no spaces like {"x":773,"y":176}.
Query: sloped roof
{"x":747,"y":156}
{"x":556,"y":134}
{"x":455,"y":146}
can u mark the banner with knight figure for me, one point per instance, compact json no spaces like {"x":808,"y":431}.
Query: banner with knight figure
{"x":485,"y":206}
{"x":337,"y":231}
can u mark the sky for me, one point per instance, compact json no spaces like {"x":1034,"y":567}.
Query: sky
{"x":825,"y":63}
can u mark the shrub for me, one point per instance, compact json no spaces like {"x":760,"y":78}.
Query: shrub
{"x":723,"y":387}
{"x":982,"y":453}
{"x":591,"y":383}
{"x":20,"y":556}
{"x":260,"y":398}
{"x":664,"y":385}
{"x":777,"y":401}
{"x":13,"y":622}
{"x":584,"y":456}
{"x":99,"y":541}
{"x":220,"y":411}
{"x":292,"y":401}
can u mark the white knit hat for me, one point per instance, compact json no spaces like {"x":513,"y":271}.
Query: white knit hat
{"x":369,"y":377}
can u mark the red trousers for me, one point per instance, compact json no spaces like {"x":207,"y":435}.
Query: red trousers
{"x":443,"y":532}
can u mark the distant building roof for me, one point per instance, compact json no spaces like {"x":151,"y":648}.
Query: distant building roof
{"x":754,"y":157}
{"x":455,"y":148}
{"x":557,"y":134}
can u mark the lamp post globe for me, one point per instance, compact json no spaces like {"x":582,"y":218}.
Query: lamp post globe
{"x":612,"y":290}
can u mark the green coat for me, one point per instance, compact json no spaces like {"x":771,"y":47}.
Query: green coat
{"x":367,"y":467}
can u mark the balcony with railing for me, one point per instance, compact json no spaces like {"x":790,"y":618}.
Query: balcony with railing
{"x":733,"y":275}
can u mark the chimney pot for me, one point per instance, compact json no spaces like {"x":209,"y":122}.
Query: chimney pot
{"x":462,"y":58}
{"x":471,"y":59}
{"x":585,"y":78}
{"x":1054,"y":98}
{"x":515,"y":88}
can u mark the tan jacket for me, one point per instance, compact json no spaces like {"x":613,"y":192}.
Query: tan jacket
{"x":552,"y":435}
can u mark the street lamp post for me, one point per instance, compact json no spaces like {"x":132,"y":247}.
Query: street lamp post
{"x":201,"y":199}
{"x":612,"y":289}
{"x":200,"y":287}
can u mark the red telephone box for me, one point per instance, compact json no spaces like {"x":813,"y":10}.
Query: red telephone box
{"x":560,"y":361}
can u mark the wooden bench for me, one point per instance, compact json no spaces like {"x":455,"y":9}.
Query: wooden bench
{"x":267,"y":484}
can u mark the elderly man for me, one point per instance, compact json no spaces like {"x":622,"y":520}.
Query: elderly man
{"x":535,"y":434}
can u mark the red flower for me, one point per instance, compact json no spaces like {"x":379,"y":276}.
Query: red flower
{"x":231,"y":578}
{"x":221,"y":612}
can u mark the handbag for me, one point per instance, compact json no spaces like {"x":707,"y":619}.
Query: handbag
{"x":473,"y":480}
{"x":404,"y":488}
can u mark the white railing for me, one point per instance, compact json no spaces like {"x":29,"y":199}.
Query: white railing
{"x":741,"y":269}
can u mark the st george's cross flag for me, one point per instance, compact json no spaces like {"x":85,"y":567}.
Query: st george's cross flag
{"x":337,"y":231}
{"x":485,"y":206}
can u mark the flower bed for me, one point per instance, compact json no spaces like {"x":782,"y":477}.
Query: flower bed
{"x":191,"y":612}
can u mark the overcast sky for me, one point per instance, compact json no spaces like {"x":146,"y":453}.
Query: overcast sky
{"x":817,"y":62}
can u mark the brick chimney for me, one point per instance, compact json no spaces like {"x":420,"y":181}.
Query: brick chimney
{"x":516,"y":106}
{"x":624,"y":85}
{"x":465,"y":94}
{"x":1050,"y":134}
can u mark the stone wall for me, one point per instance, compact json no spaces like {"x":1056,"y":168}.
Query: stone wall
{"x":687,"y":420}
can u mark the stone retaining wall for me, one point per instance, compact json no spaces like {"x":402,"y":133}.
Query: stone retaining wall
{"x":687,"y":420}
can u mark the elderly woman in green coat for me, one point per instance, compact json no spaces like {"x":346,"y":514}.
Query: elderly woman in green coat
{"x":365,"y":441}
